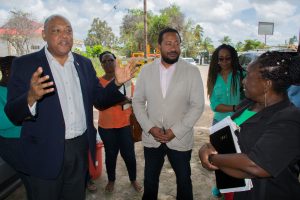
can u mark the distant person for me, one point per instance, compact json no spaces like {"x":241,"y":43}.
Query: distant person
{"x":168,"y":100}
{"x":51,"y":93}
{"x":10,"y":147}
{"x":269,"y":135}
{"x":114,"y":127}
{"x":294,"y":90}
{"x":294,"y":95}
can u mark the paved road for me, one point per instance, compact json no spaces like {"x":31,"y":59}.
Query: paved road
{"x":202,"y":179}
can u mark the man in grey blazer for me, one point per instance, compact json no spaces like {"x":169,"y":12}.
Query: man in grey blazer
{"x":167,"y":102}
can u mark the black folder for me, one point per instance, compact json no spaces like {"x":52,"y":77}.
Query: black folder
{"x":224,"y":140}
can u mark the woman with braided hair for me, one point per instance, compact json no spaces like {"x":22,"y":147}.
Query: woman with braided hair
{"x":269,"y":135}
{"x":224,"y":88}
{"x":224,"y":82}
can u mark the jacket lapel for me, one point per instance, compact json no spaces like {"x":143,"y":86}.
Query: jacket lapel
{"x":45,"y":64}
{"x":156,"y":77}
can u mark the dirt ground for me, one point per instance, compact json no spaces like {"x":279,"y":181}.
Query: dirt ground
{"x":202,"y":179}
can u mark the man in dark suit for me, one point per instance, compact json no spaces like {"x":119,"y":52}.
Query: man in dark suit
{"x":52,"y":93}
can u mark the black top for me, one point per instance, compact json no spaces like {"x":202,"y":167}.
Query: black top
{"x":271,"y":138}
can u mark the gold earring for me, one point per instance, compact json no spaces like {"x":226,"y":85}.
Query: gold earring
{"x":265,"y":99}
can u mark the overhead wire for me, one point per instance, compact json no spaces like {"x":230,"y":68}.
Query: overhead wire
{"x":114,"y":7}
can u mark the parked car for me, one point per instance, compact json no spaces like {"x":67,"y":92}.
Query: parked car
{"x":247,"y":57}
{"x":190,"y":60}
{"x":9,"y":179}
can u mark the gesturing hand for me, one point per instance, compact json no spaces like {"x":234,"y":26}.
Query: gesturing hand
{"x":124,"y":74}
{"x":38,"y":86}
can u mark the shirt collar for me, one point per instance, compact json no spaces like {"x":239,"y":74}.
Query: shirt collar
{"x":52,"y":59}
{"x":173,"y":66}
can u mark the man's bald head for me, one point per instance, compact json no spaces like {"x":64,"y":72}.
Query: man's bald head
{"x":52,"y":17}
{"x":58,"y":34}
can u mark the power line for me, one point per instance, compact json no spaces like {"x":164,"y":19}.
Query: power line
{"x":114,"y":7}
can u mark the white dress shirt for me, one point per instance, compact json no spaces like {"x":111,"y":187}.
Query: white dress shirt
{"x":165,"y":77}
{"x":67,"y":85}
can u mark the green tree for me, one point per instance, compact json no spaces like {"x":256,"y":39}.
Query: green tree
{"x":225,"y":40}
{"x":158,"y":23}
{"x":189,"y":43}
{"x":175,"y":17}
{"x":293,"y":40}
{"x":239,"y":46}
{"x":207,"y":44}
{"x":198,"y":34}
{"x":253,"y":44}
{"x":131,"y":31}
{"x":132,"y":27}
{"x":100,"y":34}
{"x":168,"y":17}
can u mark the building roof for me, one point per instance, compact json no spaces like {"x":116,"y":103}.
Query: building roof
{"x":35,"y":28}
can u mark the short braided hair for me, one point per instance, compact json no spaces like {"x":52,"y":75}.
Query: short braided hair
{"x":282,"y":68}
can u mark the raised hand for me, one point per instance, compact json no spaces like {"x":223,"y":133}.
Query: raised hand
{"x":38,"y":86}
{"x":124,"y":74}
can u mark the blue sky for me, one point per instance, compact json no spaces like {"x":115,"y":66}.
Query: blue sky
{"x":237,"y":19}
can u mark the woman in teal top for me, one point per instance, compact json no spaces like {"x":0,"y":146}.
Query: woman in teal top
{"x":10,"y":147}
{"x":224,"y":86}
{"x":224,"y":82}
{"x":7,"y":128}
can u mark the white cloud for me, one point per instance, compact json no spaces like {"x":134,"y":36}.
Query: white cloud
{"x":217,"y":17}
{"x":278,"y":11}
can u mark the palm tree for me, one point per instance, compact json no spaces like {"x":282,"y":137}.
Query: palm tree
{"x":225,"y":40}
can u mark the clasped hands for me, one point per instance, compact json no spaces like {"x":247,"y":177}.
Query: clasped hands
{"x":161,"y":135}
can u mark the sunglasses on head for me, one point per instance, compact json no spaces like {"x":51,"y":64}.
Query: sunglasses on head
{"x":106,"y":61}
{"x":224,"y":59}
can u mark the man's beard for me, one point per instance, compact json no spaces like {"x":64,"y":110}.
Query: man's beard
{"x":168,"y":60}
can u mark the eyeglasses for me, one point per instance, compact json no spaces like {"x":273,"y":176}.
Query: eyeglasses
{"x":105,"y":61}
{"x":224,"y":59}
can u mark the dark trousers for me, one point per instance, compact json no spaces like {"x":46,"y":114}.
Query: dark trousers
{"x":70,"y":183}
{"x":180,"y":162}
{"x":115,"y":140}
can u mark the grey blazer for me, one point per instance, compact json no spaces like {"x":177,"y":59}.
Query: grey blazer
{"x":179,"y":110}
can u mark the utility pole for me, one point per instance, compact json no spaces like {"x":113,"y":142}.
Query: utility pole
{"x":298,"y":49}
{"x":145,"y":28}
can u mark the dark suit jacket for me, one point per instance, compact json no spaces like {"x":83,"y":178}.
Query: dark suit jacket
{"x":43,"y":135}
